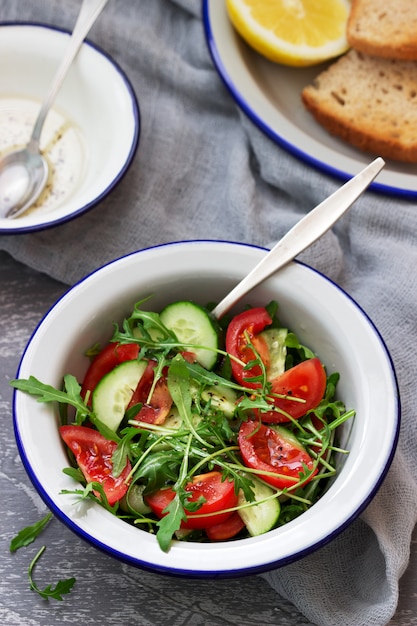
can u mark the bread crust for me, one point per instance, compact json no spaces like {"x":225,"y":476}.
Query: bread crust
{"x":386,"y":29}
{"x":369,"y":102}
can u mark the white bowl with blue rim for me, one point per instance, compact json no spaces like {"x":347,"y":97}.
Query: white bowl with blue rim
{"x":91,"y":133}
{"x":324,"y":317}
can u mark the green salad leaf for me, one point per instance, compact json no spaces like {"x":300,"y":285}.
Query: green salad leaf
{"x":56,"y":592}
{"x":27,"y":535}
{"x":70,"y":395}
{"x":24,"y":538}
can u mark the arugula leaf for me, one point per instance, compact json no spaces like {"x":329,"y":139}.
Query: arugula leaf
{"x":75,"y":473}
{"x":249,"y":403}
{"x":158,"y":468}
{"x":151,"y":321}
{"x":219,"y":427}
{"x":27,"y":535}
{"x":132,"y":411}
{"x":93,"y":491}
{"x":170,"y":523}
{"x":244,"y":483}
{"x":334,"y":410}
{"x":225,"y":368}
{"x":290,"y":511}
{"x":303,"y":351}
{"x":158,"y":373}
{"x":146,"y":328}
{"x":93,"y":351}
{"x":272,"y":309}
{"x":175,"y":513}
{"x":206,"y":377}
{"x":331,"y":385}
{"x":73,"y":387}
{"x":120,"y":455}
{"x":47,"y":393}
{"x":61,"y":588}
{"x":179,"y":388}
{"x":103,"y":429}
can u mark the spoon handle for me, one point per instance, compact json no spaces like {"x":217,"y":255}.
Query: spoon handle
{"x":90,"y":10}
{"x":303,"y":234}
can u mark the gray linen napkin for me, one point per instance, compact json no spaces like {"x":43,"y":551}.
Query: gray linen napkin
{"x":204,"y":171}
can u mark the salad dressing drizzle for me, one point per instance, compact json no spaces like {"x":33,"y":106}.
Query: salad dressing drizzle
{"x":61,"y":144}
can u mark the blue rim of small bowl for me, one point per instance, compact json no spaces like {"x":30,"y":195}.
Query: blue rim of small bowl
{"x":129,"y":158}
{"x":235,"y":573}
{"x":272,"y":133}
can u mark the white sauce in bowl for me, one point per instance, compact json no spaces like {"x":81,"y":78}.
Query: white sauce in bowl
{"x":61,"y":144}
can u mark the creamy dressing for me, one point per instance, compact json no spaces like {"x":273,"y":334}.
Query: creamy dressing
{"x":61,"y":144}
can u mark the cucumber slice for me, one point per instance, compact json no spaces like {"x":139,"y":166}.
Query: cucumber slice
{"x":193,"y":325}
{"x":114,"y":392}
{"x":174,"y":421}
{"x":275,"y":340}
{"x":262,"y":517}
{"x":287,"y":435}
{"x":221,"y":397}
{"x":133,"y":502}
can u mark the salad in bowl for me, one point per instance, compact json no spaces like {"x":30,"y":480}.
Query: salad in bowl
{"x":200,"y":447}
{"x":197,"y":430}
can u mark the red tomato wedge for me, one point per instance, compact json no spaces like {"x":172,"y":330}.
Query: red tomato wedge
{"x":93,"y":454}
{"x":226,"y":530}
{"x":247,"y":324}
{"x":266,"y":449}
{"x":156,"y":410}
{"x":190,"y":357}
{"x":307,"y":381}
{"x":219,"y":495}
{"x":113,"y":354}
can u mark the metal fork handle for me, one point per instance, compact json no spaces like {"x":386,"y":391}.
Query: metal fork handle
{"x":305,"y":232}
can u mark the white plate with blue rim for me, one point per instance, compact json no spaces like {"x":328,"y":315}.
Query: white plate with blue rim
{"x":90,"y":135}
{"x":269,"y":94}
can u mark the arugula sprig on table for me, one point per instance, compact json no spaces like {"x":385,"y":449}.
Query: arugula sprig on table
{"x":27,"y":535}
{"x":56,"y":592}
{"x":24,"y":538}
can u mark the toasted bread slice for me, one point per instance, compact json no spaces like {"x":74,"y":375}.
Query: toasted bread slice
{"x":369,"y":102}
{"x":386,"y":29}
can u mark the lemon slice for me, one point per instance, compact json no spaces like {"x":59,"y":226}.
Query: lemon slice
{"x":292,"y":32}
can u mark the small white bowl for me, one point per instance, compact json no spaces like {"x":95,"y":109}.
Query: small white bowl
{"x":90,"y":135}
{"x":323,"y":316}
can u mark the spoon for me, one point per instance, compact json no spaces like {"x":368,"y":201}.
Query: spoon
{"x":23,"y":173}
{"x":303,"y":234}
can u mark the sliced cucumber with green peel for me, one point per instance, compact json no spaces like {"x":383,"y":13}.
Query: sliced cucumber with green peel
{"x":133,"y":502}
{"x":114,"y":391}
{"x":261,"y":517}
{"x":193,"y":326}
{"x":221,"y":397}
{"x":174,"y":421}
{"x":275,"y":340}
{"x":287,"y":435}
